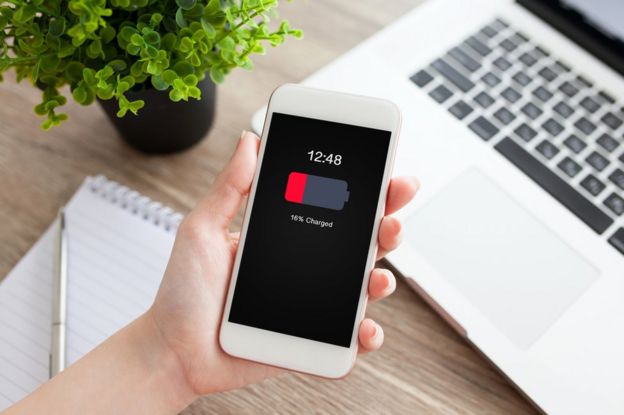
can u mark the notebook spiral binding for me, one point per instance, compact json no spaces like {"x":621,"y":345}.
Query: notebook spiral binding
{"x":135,"y":203}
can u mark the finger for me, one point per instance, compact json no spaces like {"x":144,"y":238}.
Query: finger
{"x":232,"y":184}
{"x":389,"y":237}
{"x":381,"y":284}
{"x":370,"y":336}
{"x":401,"y":191}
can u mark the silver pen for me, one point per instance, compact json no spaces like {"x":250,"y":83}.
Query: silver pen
{"x":59,"y":301}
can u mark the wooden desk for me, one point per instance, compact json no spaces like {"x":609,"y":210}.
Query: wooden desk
{"x":424,"y":366}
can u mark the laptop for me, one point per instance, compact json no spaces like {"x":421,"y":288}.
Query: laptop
{"x":514,"y":122}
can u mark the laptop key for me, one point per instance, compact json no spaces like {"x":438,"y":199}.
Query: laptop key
{"x":508,"y":45}
{"x":525,"y":132}
{"x":490,"y":79}
{"x":553,"y":127}
{"x":612,"y":120}
{"x":483,"y":128}
{"x":585,"y":125}
{"x":593,"y":185}
{"x":569,"y":167}
{"x":597,"y":161}
{"x":520,"y":38}
{"x":547,"y":74}
{"x":542,"y":93}
{"x":421,"y":78}
{"x":617,"y":240}
{"x":568,"y":89}
{"x":547,"y":149}
{"x":451,"y":74}
{"x":589,"y":104}
{"x":521,"y":78}
{"x":607,"y":142}
{"x":556,"y":186}
{"x":560,"y":67}
{"x":617,"y":178}
{"x":615,"y":204}
{"x":440,"y":94}
{"x":504,"y":115}
{"x":605,"y":97}
{"x":478,"y":46}
{"x":483,"y":99}
{"x":464,"y":59}
{"x":460,"y":109}
{"x":575,"y":144}
{"x":489,"y":31}
{"x":531,"y":110}
{"x":527,"y":59}
{"x":511,"y":94}
{"x":540,"y":52}
{"x":500,"y":23}
{"x":563,"y":109}
{"x":502,"y":63}
{"x":584,"y":82}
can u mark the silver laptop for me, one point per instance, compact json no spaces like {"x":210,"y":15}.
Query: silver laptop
{"x":513,"y":120}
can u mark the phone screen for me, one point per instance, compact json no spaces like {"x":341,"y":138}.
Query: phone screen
{"x":310,"y":226}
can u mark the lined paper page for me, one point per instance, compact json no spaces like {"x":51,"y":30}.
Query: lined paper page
{"x":116,"y":262}
{"x":25,"y":316}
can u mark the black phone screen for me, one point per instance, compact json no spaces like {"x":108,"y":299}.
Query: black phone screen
{"x":310,"y":227}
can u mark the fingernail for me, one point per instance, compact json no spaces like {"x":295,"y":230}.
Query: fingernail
{"x":374,"y":332}
{"x":416,"y":182}
{"x":387,"y":278}
{"x":243,"y":133}
{"x":399,"y":237}
{"x":377,"y":332}
{"x":391,"y":283}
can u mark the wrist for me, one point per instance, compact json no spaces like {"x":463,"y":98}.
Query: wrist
{"x":163,"y":368}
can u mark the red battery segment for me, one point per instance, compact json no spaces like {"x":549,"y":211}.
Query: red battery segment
{"x":308,"y":189}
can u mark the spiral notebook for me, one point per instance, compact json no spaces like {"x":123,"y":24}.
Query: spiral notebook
{"x":119,"y":243}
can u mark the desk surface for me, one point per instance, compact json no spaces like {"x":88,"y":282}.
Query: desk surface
{"x":424,"y":366}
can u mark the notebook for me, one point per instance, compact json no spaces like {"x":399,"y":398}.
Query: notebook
{"x":119,"y":242}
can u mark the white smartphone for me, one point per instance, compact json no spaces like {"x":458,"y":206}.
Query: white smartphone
{"x":309,"y":235}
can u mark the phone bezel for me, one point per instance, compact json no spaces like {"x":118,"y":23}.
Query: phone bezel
{"x":282,"y":350}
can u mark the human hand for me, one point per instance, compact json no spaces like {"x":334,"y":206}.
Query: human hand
{"x":187,"y":309}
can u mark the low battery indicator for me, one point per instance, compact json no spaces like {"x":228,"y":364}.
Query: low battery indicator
{"x":308,"y":189}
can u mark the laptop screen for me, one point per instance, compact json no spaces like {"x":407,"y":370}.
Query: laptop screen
{"x":604,"y":15}
{"x":595,"y":25}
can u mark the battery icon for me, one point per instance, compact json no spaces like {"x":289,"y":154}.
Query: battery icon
{"x":308,"y":189}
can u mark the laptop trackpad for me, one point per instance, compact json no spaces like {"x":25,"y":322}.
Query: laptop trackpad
{"x":506,"y":262}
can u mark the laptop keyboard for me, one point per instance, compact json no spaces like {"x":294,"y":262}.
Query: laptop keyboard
{"x":550,"y":122}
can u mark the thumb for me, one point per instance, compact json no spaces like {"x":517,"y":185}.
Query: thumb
{"x":232,"y":185}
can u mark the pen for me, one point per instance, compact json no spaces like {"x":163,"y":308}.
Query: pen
{"x":59,"y":300}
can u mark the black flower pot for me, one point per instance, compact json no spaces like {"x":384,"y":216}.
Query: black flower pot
{"x":164,"y":126}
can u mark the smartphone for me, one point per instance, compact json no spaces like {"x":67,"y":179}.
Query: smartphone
{"x":309,"y":235}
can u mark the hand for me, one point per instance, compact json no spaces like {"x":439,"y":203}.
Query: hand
{"x":187,"y":309}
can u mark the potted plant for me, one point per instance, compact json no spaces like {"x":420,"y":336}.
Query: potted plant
{"x":152,"y":64}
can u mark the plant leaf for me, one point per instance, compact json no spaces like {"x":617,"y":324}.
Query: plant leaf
{"x":209,"y":29}
{"x":186,"y":4}
{"x":57,"y":27}
{"x":105,"y":48}
{"x":179,"y":18}
{"x":217,"y":75}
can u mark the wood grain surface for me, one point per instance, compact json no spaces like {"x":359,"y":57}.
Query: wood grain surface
{"x":424,"y":367}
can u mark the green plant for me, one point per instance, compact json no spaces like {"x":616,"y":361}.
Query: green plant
{"x":104,"y":48}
